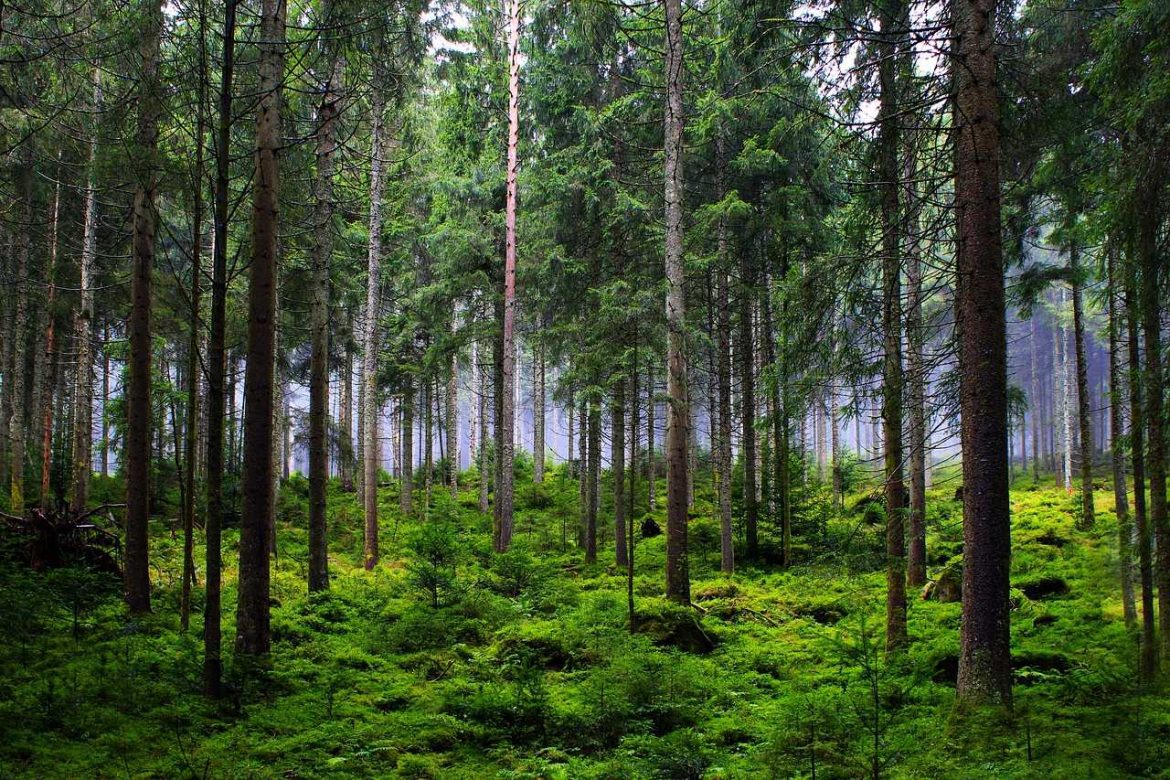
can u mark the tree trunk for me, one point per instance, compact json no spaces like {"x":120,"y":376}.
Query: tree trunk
{"x":253,"y":637}
{"x":320,"y":260}
{"x":538,"y":391}
{"x":650,"y":404}
{"x":894,"y":18}
{"x":916,"y":390}
{"x":1148,"y":664}
{"x":593,"y":479}
{"x":212,"y":631}
{"x":138,"y":396}
{"x":481,"y":453}
{"x":723,"y":350}
{"x":452,"y":420}
{"x":747,"y":398}
{"x":1084,"y":411}
{"x":1151,"y":261}
{"x":46,"y":359}
{"x":406,"y":499}
{"x":678,"y":583}
{"x":193,"y":342}
{"x":83,"y":330}
{"x":1125,"y":535}
{"x":378,"y":149}
{"x":617,"y":457}
{"x":985,"y":674}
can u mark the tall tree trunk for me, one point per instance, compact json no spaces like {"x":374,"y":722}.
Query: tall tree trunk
{"x":593,"y":478}
{"x":105,"y":440}
{"x":378,"y":150}
{"x":916,"y":390}
{"x":747,"y":398}
{"x":506,"y":452}
{"x":212,"y":631}
{"x":481,"y":453}
{"x":894,"y":18}
{"x":1084,"y":411}
{"x":345,"y":439}
{"x":138,"y":396}
{"x":617,"y":458}
{"x":193,"y":338}
{"x":406,"y":499}
{"x":16,"y":399}
{"x":985,"y":674}
{"x":1125,"y":536}
{"x":320,"y":260}
{"x":452,"y":421}
{"x":1034,"y":400}
{"x":1148,"y":665}
{"x":83,"y":329}
{"x":253,"y":637}
{"x":1151,"y":265}
{"x":723,"y":350}
{"x":538,"y":391}
{"x":651,"y":401}
{"x":678,"y":581}
{"x":46,"y":359}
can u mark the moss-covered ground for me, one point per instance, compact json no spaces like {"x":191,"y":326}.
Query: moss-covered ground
{"x":447,"y":661}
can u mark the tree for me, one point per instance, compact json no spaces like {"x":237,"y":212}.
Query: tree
{"x":678,"y":583}
{"x":138,"y":400}
{"x":985,"y":649}
{"x":253,"y":635}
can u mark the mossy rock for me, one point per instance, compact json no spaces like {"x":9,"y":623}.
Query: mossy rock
{"x":825,"y":614}
{"x":947,"y":586}
{"x":678,"y":627}
{"x":716,"y":590}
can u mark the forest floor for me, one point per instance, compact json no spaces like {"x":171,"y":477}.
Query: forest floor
{"x":450,"y":662}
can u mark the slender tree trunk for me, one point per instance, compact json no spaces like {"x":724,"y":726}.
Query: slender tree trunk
{"x":617,"y":466}
{"x":1125,"y":536}
{"x":346,"y":436}
{"x":505,"y":453}
{"x":320,"y":260}
{"x":678,"y":583}
{"x":378,"y":150}
{"x":481,"y":453}
{"x":83,"y":330}
{"x":138,"y":396}
{"x":253,"y":637}
{"x":406,"y":499}
{"x":1084,"y":410}
{"x":1034,"y":400}
{"x":593,"y":479}
{"x":19,"y":333}
{"x":212,"y":631}
{"x":105,"y":440}
{"x":650,"y":404}
{"x":46,"y":360}
{"x":916,"y":390}
{"x":583,"y":491}
{"x":193,"y":342}
{"x":723,"y":349}
{"x":452,"y":420}
{"x":538,"y":391}
{"x":985,"y":674}
{"x":747,"y":398}
{"x":1148,"y":665}
{"x":1151,"y":265}
{"x":894,"y":18}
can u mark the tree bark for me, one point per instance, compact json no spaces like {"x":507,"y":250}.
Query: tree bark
{"x":138,"y":395}
{"x":538,"y":391}
{"x":378,"y":149}
{"x":617,"y":457}
{"x":253,"y":636}
{"x":723,"y":350}
{"x":747,"y":399}
{"x":1084,"y":411}
{"x":985,"y":674}
{"x":1125,"y":535}
{"x":506,"y":451}
{"x":46,"y":359}
{"x":212,"y":631}
{"x":916,"y":390}
{"x":320,"y":260}
{"x":593,"y":479}
{"x":678,"y":584}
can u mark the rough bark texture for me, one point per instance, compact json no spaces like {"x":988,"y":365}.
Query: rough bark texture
{"x":593,"y":469}
{"x":678,"y":581}
{"x":370,"y":339}
{"x":452,"y":421}
{"x":985,"y":674}
{"x":212,"y":632}
{"x":506,"y":450}
{"x":253,"y":636}
{"x":320,"y":258}
{"x":915,"y":395}
{"x":406,"y":498}
{"x":138,"y":403}
{"x":46,"y":356}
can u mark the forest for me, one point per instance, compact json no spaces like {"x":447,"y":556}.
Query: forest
{"x":584,"y":389}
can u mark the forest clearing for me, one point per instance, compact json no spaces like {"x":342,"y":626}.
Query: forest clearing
{"x":584,"y":389}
